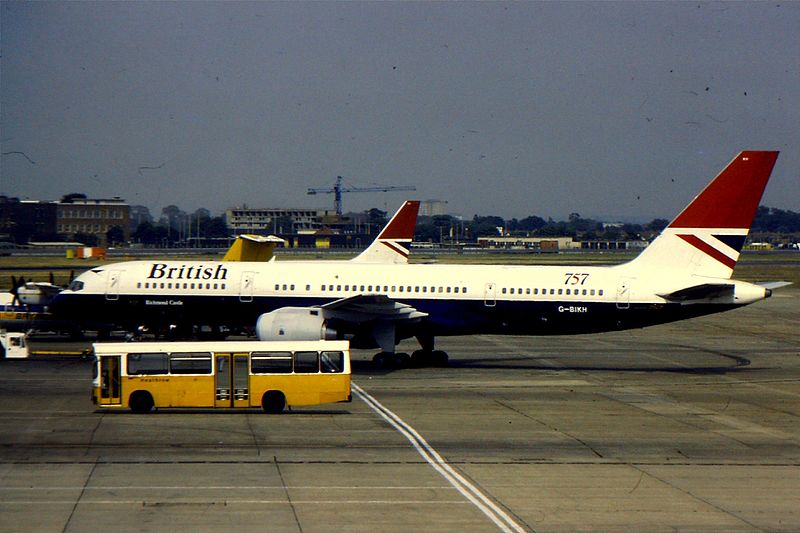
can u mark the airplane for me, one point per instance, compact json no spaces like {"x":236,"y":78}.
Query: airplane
{"x":391,"y":246}
{"x":685,"y":272}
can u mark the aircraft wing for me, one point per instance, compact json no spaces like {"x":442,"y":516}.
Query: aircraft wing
{"x":706,"y":291}
{"x":366,"y":307}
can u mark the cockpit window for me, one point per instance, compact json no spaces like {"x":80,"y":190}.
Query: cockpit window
{"x":75,"y":286}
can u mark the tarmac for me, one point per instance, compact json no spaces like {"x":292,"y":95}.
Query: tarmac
{"x":687,"y":426}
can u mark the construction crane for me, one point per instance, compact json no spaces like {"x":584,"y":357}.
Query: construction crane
{"x":337,"y":191}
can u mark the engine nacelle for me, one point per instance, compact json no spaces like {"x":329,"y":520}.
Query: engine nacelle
{"x":294,"y":324}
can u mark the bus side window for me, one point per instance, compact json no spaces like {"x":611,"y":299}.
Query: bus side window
{"x":306,"y":362}
{"x":147,"y":364}
{"x":332,"y":362}
{"x":190,"y":363}
{"x":271,"y":363}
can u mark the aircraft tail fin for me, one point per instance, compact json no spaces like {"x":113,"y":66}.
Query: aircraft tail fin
{"x":706,"y":238}
{"x":392,"y":245}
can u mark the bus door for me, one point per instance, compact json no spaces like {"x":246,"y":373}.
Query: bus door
{"x":232,"y":381}
{"x":110,"y":380}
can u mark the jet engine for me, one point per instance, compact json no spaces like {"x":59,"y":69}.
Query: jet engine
{"x":294,"y":324}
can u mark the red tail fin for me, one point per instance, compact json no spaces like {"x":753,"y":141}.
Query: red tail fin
{"x":394,"y":242}
{"x":731,"y":200}
{"x":707,"y":237}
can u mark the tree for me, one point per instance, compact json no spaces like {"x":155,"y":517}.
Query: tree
{"x":115,"y":235}
{"x":215,"y":227}
{"x":87,"y":239}
{"x":377,"y":219}
{"x":71,"y":197}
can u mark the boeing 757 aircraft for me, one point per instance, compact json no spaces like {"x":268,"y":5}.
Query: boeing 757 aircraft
{"x":684,"y":273}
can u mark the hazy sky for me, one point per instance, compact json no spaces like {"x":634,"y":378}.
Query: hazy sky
{"x":607,"y":109}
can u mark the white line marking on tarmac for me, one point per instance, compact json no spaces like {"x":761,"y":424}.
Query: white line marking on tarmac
{"x":467,"y":489}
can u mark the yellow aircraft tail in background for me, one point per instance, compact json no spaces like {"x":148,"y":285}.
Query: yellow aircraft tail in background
{"x":252,"y":248}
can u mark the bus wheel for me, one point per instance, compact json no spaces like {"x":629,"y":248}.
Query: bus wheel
{"x":141,"y":402}
{"x":273,"y":402}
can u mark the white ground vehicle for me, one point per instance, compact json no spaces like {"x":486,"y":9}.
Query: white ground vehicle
{"x":13,"y":345}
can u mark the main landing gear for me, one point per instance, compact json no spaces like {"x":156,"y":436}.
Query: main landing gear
{"x":418,"y":359}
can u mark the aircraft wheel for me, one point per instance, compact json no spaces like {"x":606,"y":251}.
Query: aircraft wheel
{"x":420,"y":358}
{"x":402,"y":360}
{"x":439,"y":358}
{"x":383,"y":360}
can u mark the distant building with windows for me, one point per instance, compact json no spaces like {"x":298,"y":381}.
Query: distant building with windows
{"x":429,"y":208}
{"x":264,"y":221}
{"x":93,"y":217}
{"x":23,"y":220}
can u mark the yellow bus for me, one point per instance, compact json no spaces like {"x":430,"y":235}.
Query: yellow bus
{"x":271,"y":375}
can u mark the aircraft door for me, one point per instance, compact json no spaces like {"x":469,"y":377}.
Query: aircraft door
{"x":490,"y":294}
{"x":110,"y":393}
{"x":624,"y":293}
{"x":112,"y":285}
{"x":246,"y":287}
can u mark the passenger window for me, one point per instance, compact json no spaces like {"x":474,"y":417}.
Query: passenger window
{"x":332,"y":362}
{"x":271,"y":363}
{"x":144,"y":364}
{"x":190,"y":363}
{"x":306,"y":363}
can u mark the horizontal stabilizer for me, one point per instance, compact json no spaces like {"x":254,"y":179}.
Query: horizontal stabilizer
{"x":706,"y":291}
{"x":772,"y":285}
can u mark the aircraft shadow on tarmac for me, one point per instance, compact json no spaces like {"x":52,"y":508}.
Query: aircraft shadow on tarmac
{"x":732,"y":363}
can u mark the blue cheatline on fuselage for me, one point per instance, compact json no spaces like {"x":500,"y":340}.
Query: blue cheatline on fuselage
{"x":445,"y":316}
